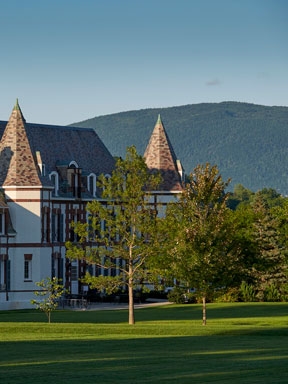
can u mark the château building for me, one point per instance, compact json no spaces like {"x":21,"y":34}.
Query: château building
{"x":48,"y":174}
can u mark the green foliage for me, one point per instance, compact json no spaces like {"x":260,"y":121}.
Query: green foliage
{"x":230,"y":295}
{"x":272,"y":293}
{"x":248,"y":142}
{"x":247,"y":292}
{"x":200,"y":248}
{"x":240,"y":195}
{"x":177,"y":295}
{"x":271,"y":268}
{"x":126,"y":241}
{"x":243,"y":196}
{"x":109,"y":284}
{"x":281,"y":215}
{"x":49,"y":295}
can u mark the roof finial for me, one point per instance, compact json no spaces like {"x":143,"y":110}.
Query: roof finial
{"x":159,"y":119}
{"x":16,"y":106}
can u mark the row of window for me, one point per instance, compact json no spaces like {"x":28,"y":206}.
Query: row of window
{"x":75,"y":181}
{"x":55,"y":233}
{"x":5,"y":267}
{"x":57,"y":269}
{"x":53,"y":227}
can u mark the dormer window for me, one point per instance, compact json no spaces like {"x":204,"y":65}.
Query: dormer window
{"x":73,"y":164}
{"x":74,"y":178}
{"x":91,"y":184}
{"x":54,"y":177}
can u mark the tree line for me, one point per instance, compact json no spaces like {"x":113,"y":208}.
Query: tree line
{"x":210,"y":244}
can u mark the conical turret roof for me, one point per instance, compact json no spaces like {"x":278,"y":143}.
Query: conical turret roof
{"x":17,"y":164}
{"x":159,"y":155}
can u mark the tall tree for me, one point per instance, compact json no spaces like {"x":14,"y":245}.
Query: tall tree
{"x":244,"y":240}
{"x":240,"y":195}
{"x":281,"y":215}
{"x":201,"y":253}
{"x":121,"y":233}
{"x":271,"y":273}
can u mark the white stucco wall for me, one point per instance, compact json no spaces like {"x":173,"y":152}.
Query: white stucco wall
{"x":25,"y":211}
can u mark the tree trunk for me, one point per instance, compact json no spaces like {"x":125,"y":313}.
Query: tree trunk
{"x":131,"y":298}
{"x":204,"y":310}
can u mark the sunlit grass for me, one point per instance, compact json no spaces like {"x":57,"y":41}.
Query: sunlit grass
{"x":242,"y":343}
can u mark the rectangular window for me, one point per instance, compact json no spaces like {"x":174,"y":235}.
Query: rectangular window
{"x":57,"y":226}
{"x":5,"y":273}
{"x":2,"y":273}
{"x":45,"y":224}
{"x":8,"y":274}
{"x":28,"y":267}
{"x":74,"y":273}
{"x":61,"y":228}
{"x":57,"y":265}
{"x":2,"y":223}
{"x":76,"y":182}
{"x":54,"y":227}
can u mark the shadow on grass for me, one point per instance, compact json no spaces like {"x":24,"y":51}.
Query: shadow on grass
{"x":245,"y":358}
{"x":188,"y":312}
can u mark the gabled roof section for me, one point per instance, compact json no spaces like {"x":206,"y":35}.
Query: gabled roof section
{"x":160,"y":156}
{"x":17,"y":165}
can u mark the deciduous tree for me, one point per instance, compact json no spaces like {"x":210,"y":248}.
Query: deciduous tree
{"x":51,"y":291}
{"x":119,"y":235}
{"x":200,"y":250}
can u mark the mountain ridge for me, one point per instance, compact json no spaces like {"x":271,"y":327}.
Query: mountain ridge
{"x":248,"y":142}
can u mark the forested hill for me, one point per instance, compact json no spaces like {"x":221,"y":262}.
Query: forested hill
{"x":248,"y":142}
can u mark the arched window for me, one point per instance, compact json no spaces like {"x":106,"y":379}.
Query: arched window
{"x":91,"y":184}
{"x":73,"y":164}
{"x":54,"y":177}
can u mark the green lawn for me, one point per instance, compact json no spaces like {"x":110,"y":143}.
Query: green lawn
{"x":242,"y":343}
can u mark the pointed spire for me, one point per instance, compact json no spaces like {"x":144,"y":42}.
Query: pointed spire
{"x":17,"y":108}
{"x":17,"y":166}
{"x":159,"y":155}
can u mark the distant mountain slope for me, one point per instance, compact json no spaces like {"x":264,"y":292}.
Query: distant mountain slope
{"x":247,"y":142}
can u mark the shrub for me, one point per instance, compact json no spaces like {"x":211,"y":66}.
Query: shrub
{"x":176,"y":295}
{"x":229,"y":296}
{"x":272,"y":293}
{"x":247,"y":292}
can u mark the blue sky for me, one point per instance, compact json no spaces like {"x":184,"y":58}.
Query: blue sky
{"x":68,"y":60}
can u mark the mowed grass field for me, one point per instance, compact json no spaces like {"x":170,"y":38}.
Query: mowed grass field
{"x":242,"y":343}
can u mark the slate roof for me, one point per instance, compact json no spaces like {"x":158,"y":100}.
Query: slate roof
{"x":159,"y":155}
{"x":55,"y":145}
{"x":17,"y":165}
